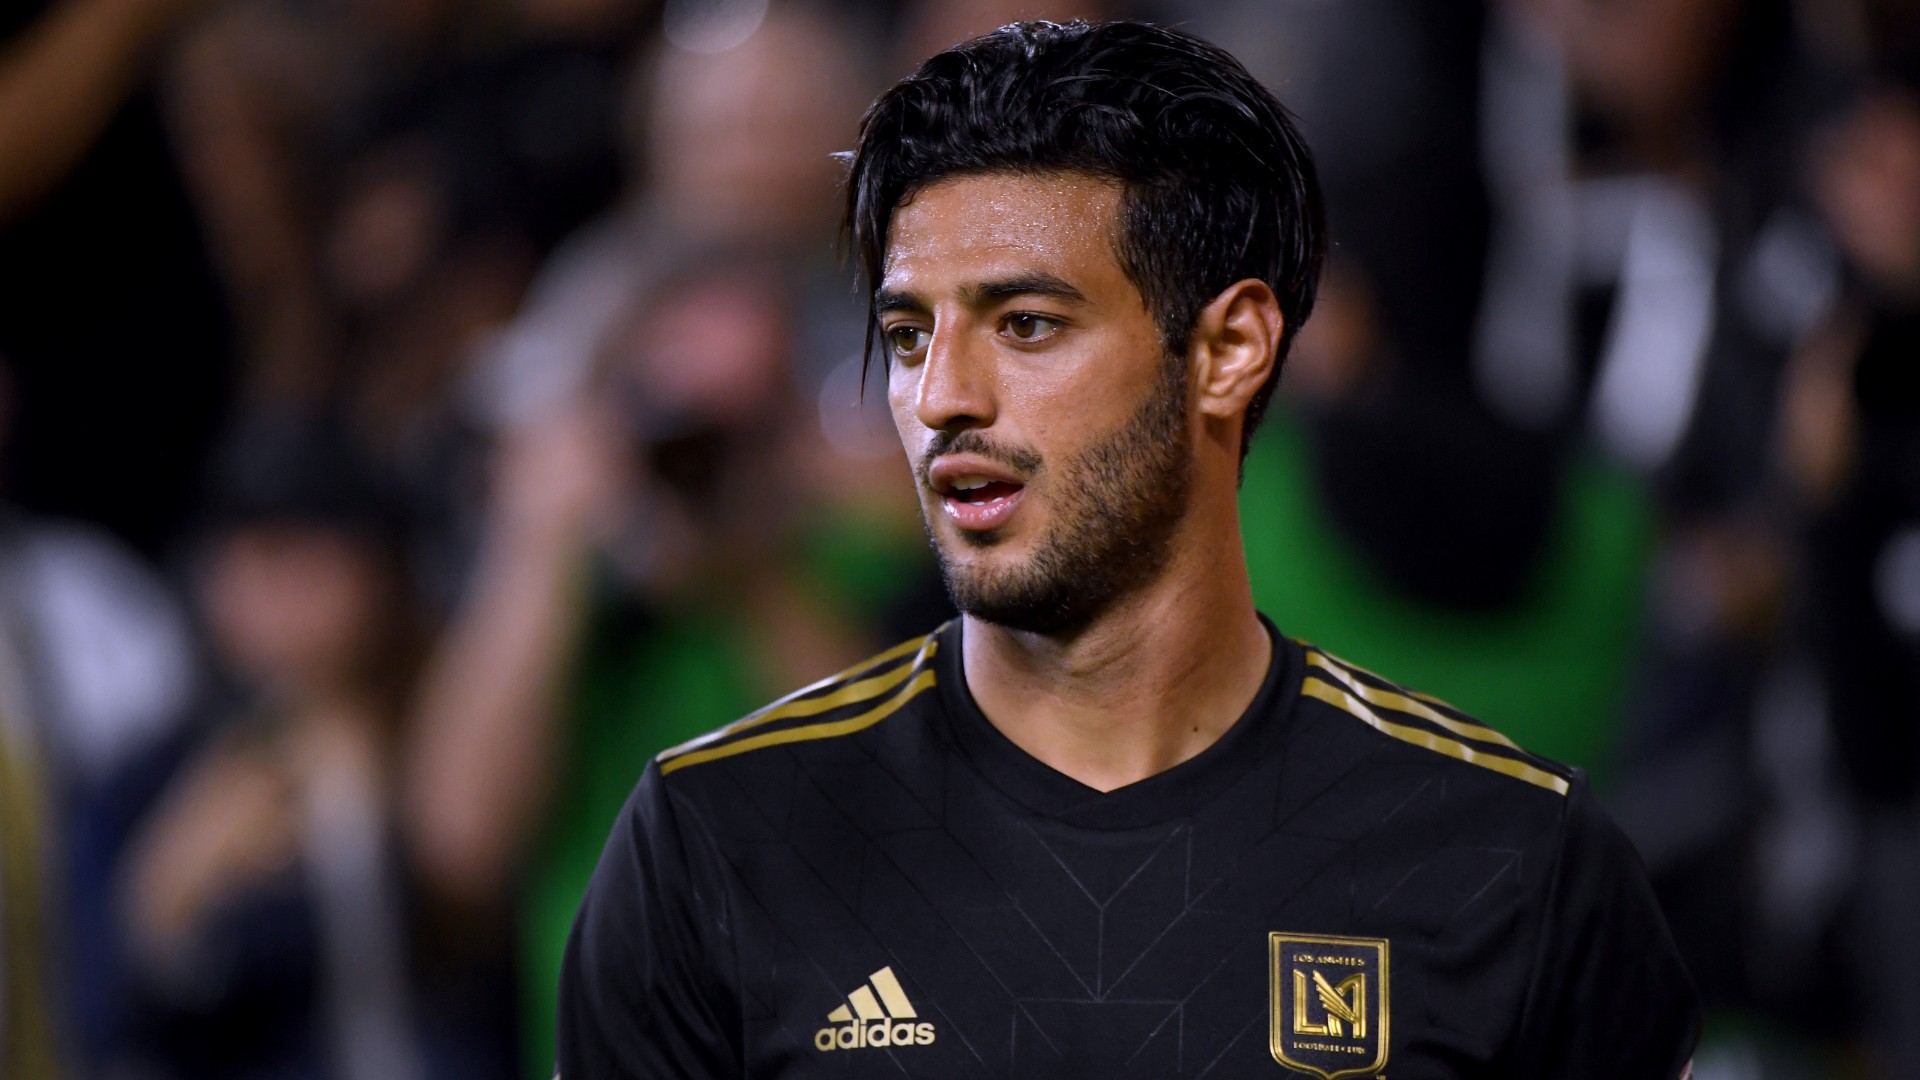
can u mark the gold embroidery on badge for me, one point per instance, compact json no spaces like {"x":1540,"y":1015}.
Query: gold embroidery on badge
{"x":1329,"y":1007}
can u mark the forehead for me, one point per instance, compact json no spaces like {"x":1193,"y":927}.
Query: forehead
{"x":968,"y":226}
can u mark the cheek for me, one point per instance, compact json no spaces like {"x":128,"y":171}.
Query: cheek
{"x":1042,"y":404}
{"x":1068,"y":404}
{"x":903,"y":391}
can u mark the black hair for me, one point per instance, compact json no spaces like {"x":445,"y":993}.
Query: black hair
{"x":1218,"y":185}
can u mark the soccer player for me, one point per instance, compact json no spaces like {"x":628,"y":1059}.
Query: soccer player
{"x":1110,"y":822}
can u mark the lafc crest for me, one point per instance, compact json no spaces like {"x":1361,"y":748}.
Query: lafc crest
{"x":1330,"y":1009}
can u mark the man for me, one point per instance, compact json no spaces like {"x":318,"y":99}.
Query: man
{"x":1109,"y":822}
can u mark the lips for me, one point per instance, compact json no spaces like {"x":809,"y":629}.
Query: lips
{"x":977,"y":495}
{"x":982,"y":508}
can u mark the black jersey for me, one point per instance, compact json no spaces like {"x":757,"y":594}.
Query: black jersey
{"x":866,"y":879}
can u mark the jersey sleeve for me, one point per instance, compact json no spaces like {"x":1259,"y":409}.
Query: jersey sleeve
{"x":644,"y":986}
{"x":1610,"y":997}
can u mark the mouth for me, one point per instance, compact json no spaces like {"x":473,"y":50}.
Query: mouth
{"x":977,"y":497}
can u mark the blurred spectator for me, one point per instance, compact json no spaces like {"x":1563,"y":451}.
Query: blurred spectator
{"x":279,"y":925}
{"x":728,"y":146}
{"x":1851,"y":436}
{"x":99,"y":258}
{"x":381,"y":179}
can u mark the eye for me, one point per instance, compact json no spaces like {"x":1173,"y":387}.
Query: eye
{"x":1027,"y":328}
{"x":904,"y":341}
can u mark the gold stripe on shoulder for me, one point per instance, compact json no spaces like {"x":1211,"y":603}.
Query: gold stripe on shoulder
{"x":1310,"y":647}
{"x":798,"y":704}
{"x":825,"y":730}
{"x":1519,"y":770}
{"x":1388,"y":699}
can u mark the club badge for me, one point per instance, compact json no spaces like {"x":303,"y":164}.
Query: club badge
{"x":1329,"y":1004}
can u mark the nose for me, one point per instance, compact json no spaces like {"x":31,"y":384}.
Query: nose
{"x":956,"y":390}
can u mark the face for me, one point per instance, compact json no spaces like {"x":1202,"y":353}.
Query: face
{"x":294,"y":608}
{"x":1047,"y":426}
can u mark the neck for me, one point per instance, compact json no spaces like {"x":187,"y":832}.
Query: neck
{"x":1149,"y":684}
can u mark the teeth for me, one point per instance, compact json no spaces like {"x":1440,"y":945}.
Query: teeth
{"x":969,"y":483}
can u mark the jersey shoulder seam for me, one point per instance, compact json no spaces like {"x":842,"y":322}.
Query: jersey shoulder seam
{"x":1424,"y":721}
{"x":840,"y":704}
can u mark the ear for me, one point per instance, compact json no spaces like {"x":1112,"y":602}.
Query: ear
{"x":1233,"y":345}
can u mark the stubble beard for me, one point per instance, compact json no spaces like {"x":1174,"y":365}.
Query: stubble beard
{"x":1116,"y":506}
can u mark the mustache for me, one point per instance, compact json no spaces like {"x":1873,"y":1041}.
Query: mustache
{"x":1021,"y":460}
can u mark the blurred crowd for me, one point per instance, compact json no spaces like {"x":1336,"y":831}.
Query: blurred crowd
{"x":414,"y":414}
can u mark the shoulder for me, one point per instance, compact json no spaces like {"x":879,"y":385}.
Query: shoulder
{"x":743,"y":793}
{"x":844,"y":704}
{"x":1377,"y":709}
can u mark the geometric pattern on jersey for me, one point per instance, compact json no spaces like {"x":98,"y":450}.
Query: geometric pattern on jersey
{"x":765,"y":876}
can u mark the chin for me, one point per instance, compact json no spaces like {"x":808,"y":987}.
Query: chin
{"x":1021,"y":592}
{"x":978,"y":565}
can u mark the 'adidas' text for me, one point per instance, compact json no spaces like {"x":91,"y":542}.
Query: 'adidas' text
{"x":876,"y":1015}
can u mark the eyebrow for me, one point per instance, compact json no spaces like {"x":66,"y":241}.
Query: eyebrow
{"x":985,"y":293}
{"x":886,"y":300}
{"x":1035,"y":283}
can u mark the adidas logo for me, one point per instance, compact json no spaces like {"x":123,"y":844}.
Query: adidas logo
{"x":876,"y":1015}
